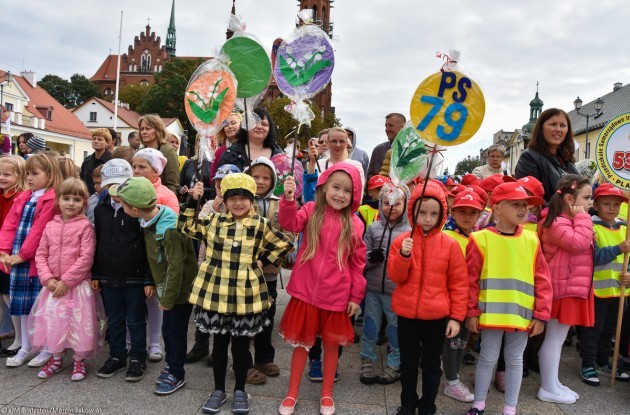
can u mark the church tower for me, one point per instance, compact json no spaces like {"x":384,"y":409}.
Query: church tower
{"x":170,"y":34}
{"x":229,"y":33}
{"x":535,"y":108}
{"x":321,"y":13}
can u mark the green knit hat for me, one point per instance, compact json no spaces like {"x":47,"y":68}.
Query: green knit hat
{"x":136,"y":191}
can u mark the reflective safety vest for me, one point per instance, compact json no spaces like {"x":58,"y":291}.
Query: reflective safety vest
{"x":461,"y":239}
{"x":368,"y":213}
{"x":531,"y":227}
{"x":506,"y":296}
{"x":606,"y":277}
{"x":623,"y":212}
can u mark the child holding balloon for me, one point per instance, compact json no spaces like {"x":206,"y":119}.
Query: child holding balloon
{"x":327,"y":283}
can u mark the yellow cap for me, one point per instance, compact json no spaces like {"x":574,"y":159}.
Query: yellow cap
{"x":240,"y":184}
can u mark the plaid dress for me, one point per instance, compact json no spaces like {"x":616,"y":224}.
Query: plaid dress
{"x":23,"y":289}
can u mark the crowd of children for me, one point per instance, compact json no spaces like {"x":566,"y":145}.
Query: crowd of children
{"x":434,"y":268}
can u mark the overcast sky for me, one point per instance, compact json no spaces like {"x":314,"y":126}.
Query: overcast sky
{"x":384,"y":48}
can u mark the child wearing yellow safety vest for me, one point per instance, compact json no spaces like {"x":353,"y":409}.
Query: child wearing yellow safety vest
{"x":465,"y":212}
{"x":510,"y":292}
{"x":610,"y":245}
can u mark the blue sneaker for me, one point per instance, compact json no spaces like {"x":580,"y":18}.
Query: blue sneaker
{"x":163,"y":375}
{"x":315,"y":371}
{"x":169,"y":385}
{"x":214,"y":402}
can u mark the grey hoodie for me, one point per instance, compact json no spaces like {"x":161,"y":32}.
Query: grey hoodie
{"x":376,"y":273}
{"x":358,"y":154}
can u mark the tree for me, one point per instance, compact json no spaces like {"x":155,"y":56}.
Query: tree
{"x":286,"y":123}
{"x":466,"y":165}
{"x":134,"y":95}
{"x":70,"y":93}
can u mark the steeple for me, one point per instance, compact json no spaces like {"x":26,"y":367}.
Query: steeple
{"x":230,"y":33}
{"x":535,"y":108}
{"x":170,"y":34}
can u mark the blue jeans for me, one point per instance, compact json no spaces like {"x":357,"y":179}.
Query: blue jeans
{"x":126,"y":309}
{"x":375,"y":305}
{"x":175,"y":331}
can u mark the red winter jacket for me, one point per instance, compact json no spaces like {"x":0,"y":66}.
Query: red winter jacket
{"x":433,"y":282}
{"x":319,"y":281}
{"x":568,"y":245}
{"x":45,"y":210}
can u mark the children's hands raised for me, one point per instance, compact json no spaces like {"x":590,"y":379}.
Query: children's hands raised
{"x":625,"y":278}
{"x":289,"y":188}
{"x":353,"y":308}
{"x":624,"y":246}
{"x":149,"y":291}
{"x":472,"y":324}
{"x":536,"y":326}
{"x":60,"y":290}
{"x":575,"y":209}
{"x":407,"y":246}
{"x":452,"y":328}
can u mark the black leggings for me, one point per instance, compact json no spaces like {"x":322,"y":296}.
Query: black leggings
{"x":240,"y":351}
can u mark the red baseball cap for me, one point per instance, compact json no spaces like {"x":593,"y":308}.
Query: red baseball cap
{"x":469,"y":179}
{"x":513,"y":191}
{"x":449,"y":182}
{"x":489,"y":183}
{"x":482,"y":193}
{"x":456,"y":189}
{"x":533,"y":185}
{"x":377,"y":181}
{"x":468,"y":198}
{"x":608,"y":189}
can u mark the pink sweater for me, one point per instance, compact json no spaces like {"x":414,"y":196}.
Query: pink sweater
{"x":66,"y":251}
{"x":568,"y":248}
{"x":165,"y":196}
{"x":45,"y":210}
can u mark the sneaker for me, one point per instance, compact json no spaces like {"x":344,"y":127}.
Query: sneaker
{"x":315,"y":371}
{"x":367,"y":372}
{"x":169,"y":385}
{"x":606,"y":370}
{"x":79,"y":370}
{"x":475,"y":411}
{"x":563,"y":398}
{"x":240,"y":402}
{"x":53,"y":366}
{"x":404,"y":411}
{"x":214,"y":402}
{"x":388,"y":376}
{"x":469,"y":358}
{"x":136,"y":370}
{"x":162,"y":376}
{"x":111,"y":366}
{"x":589,"y":376}
{"x":458,"y":391}
{"x":499,"y":381}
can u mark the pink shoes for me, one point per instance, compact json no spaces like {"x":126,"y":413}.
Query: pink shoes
{"x":286,"y":409}
{"x":327,"y":410}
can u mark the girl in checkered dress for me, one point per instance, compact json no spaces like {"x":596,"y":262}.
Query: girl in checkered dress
{"x":19,"y":240}
{"x":230,"y":287}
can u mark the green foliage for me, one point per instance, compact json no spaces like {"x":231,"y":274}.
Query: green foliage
{"x":133,"y":95}
{"x":70,"y":93}
{"x":467,"y":165}
{"x":286,"y":123}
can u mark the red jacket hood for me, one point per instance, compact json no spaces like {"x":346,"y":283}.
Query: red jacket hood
{"x":433,"y":191}
{"x":353,"y":172}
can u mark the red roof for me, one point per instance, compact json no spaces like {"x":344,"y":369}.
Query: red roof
{"x":107,"y":71}
{"x":63,"y":121}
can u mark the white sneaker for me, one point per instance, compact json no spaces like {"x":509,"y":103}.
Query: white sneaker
{"x":40,"y":360}
{"x":19,"y":359}
{"x":546,"y":396}
{"x":155,"y":354}
{"x":568,"y":390}
{"x":458,"y":391}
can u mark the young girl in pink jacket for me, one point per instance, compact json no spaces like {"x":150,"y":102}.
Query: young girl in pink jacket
{"x":327,"y":283}
{"x":19,"y":239}
{"x":567,"y":243}
{"x":67,"y":313}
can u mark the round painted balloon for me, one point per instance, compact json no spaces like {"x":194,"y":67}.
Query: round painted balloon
{"x":282,"y":162}
{"x":612,"y":151}
{"x":250,"y":64}
{"x":210,"y":96}
{"x":448,"y":108}
{"x":304,"y":63}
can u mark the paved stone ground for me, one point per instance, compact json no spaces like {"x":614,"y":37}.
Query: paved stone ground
{"x":22,"y":392}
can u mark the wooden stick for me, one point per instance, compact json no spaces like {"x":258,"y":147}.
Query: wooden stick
{"x":622,"y":298}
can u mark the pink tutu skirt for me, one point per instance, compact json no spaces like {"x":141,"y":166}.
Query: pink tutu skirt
{"x":75,"y":321}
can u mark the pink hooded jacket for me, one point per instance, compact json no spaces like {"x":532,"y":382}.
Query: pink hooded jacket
{"x":45,"y":210}
{"x":568,"y":248}
{"x":66,"y":251}
{"x":165,"y":196}
{"x":319,"y":281}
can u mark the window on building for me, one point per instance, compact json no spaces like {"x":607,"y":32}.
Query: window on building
{"x":9,"y":106}
{"x":92,"y":116}
{"x":145,"y":61}
{"x":49,"y":115}
{"x":144,"y":82}
{"x":108,"y":92}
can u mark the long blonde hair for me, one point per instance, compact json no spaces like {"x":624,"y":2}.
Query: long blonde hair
{"x":19,"y":168}
{"x":346,"y":243}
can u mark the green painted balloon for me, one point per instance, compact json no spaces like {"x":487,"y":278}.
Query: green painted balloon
{"x":250,"y":64}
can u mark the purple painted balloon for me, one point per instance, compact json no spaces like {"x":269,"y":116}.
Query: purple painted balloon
{"x":304,"y":65}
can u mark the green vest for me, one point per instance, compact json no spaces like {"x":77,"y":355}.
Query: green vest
{"x":606,"y":277}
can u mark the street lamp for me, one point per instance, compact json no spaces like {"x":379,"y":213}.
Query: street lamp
{"x":7,"y":79}
{"x":599,"y":103}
